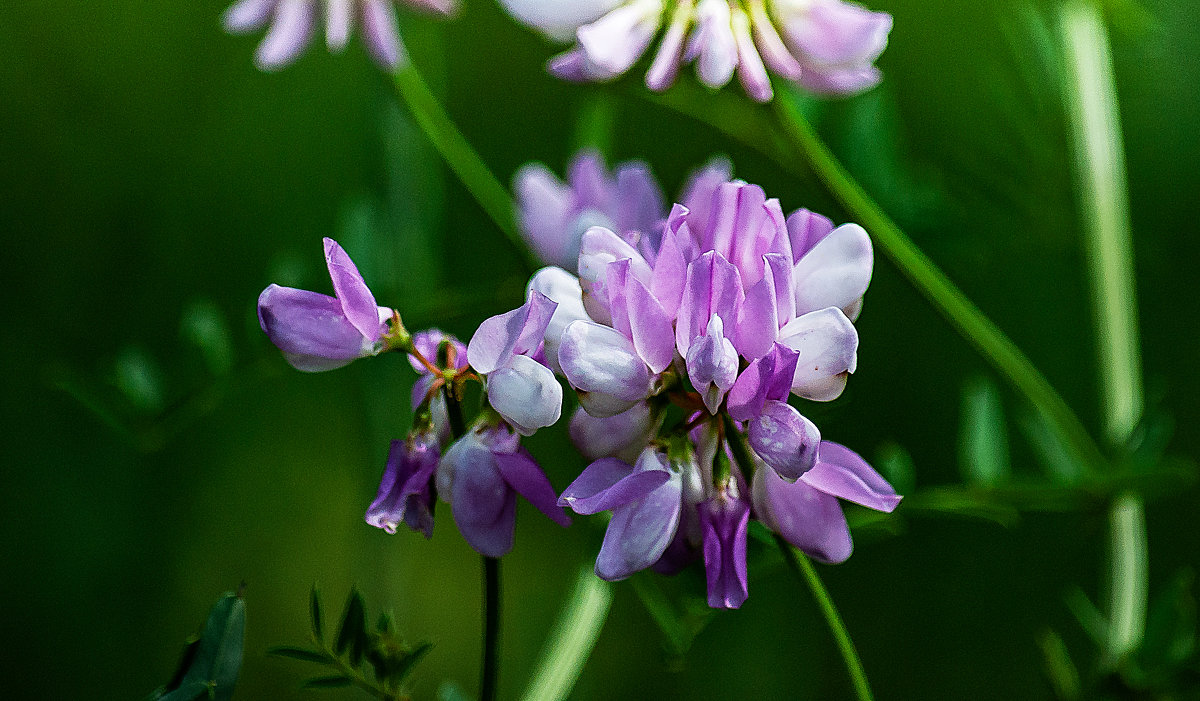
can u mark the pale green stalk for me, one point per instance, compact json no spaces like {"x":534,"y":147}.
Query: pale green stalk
{"x":572,"y":640}
{"x":1099,"y":166}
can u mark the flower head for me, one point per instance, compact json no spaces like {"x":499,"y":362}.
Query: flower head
{"x":293,"y":23}
{"x":317,"y":332}
{"x":828,"y":46}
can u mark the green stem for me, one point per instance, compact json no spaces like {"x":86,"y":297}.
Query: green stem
{"x":803,"y":569}
{"x":573,"y":639}
{"x":1099,"y":165}
{"x":947,"y":298}
{"x":454,"y":148}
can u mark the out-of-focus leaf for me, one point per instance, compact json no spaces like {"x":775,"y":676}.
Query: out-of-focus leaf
{"x":1058,"y":461}
{"x":335,"y":681}
{"x":219,"y":656}
{"x":451,"y":691}
{"x":204,"y":325}
{"x":1148,"y":445}
{"x":297,"y":653}
{"x":1061,"y":671}
{"x":896,"y":466}
{"x":139,"y":378}
{"x":680,"y":623}
{"x":983,"y":435}
{"x":595,"y":121}
{"x":314,"y":608}
{"x":189,"y":691}
{"x":1170,"y":638}
{"x":352,"y":636}
{"x":1130,"y":17}
{"x":1089,"y":616}
{"x":404,"y":667}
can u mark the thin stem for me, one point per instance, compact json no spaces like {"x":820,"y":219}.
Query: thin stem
{"x":458,"y":153}
{"x":491,"y":629}
{"x":802,"y":567}
{"x":943,"y":294}
{"x":1099,"y":169}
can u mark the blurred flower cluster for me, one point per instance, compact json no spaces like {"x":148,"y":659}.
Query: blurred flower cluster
{"x":682,"y":334}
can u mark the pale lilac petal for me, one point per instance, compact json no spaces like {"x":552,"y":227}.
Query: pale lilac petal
{"x":357,"y":301}
{"x":828,"y":346}
{"x":543,"y":212}
{"x":750,"y":69}
{"x":779,"y":269}
{"x":601,"y":246}
{"x":381,"y":33}
{"x":614,"y":42}
{"x":442,"y":7}
{"x":310,"y":328}
{"x":640,"y":531}
{"x":769,"y":377}
{"x":518,"y":332}
{"x":843,"y":473}
{"x":713,"y":287}
{"x":670,"y":271}
{"x":620,"y":436}
{"x":712,"y":365}
{"x":758,"y":320}
{"x":838,"y":34}
{"x":563,"y":288}
{"x":598,"y":359}
{"x":524,"y":475}
{"x":526,"y":394}
{"x":608,"y":484}
{"x":571,"y":66}
{"x":669,"y":56}
{"x":713,"y":44}
{"x":650,"y":326}
{"x":484,"y":505}
{"x":247,"y":15}
{"x":836,"y":272}
{"x":785,"y":439}
{"x":558,"y":19}
{"x":725,"y":522}
{"x":702,"y":186}
{"x":774,"y":53}
{"x":806,"y":517}
{"x":291,"y":27}
{"x":806,"y":229}
{"x":339,"y":18}
{"x":833,"y":81}
{"x":639,"y":199}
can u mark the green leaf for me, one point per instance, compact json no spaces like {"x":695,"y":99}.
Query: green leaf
{"x":679,"y":621}
{"x":332,"y":682}
{"x":298,"y":653}
{"x":219,"y":655}
{"x":983,"y":437}
{"x":405,"y":666}
{"x":139,"y":377}
{"x":896,"y":465}
{"x":1061,"y":464}
{"x":352,"y":636}
{"x":314,"y":603}
{"x":1063,"y":675}
{"x":1170,"y":638}
{"x":204,"y":325}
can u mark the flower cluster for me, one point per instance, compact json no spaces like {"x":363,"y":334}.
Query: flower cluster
{"x":683,"y":335}
{"x":293,"y":23}
{"x":827,"y":46}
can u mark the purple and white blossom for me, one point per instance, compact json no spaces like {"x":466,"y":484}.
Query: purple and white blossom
{"x":292,"y":24}
{"x":317,"y":332}
{"x":405,"y":492}
{"x":827,"y":46}
{"x":806,"y":512}
{"x":481,"y":474}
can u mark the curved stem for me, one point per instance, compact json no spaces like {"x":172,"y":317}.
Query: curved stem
{"x":454,"y":148}
{"x":802,"y":567}
{"x":943,"y":294}
{"x":1099,"y":169}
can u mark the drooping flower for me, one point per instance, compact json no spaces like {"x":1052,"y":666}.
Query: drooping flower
{"x":405,"y":492}
{"x":481,"y":474}
{"x":317,"y":332}
{"x":293,"y":23}
{"x":806,"y":512}
{"x":519,"y":388}
{"x":827,"y":46}
{"x":725,"y":519}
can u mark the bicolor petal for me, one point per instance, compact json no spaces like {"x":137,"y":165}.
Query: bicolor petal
{"x":805,"y":516}
{"x":842,"y":473}
{"x":835,"y":272}
{"x":599,"y":359}
{"x":827,"y":343}
{"x":620,"y":436}
{"x":526,"y":394}
{"x":518,"y":332}
{"x":785,"y":439}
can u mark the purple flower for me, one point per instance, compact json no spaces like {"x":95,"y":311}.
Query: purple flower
{"x":806,"y":512}
{"x":725,"y":519}
{"x":317,"y":332}
{"x":621,"y":436}
{"x":519,"y":388}
{"x":405,"y":491}
{"x":481,"y":475}
{"x":828,"y":46}
{"x":293,"y":22}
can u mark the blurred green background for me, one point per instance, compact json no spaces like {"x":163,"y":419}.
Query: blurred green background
{"x":157,"y":451}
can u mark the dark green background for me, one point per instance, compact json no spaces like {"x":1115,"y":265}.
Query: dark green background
{"x":147,"y":168}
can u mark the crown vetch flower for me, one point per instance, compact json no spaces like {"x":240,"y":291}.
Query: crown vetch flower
{"x":828,"y":46}
{"x":405,"y":492}
{"x":293,"y":23}
{"x":806,"y":512}
{"x":317,"y":332}
{"x":481,"y":474}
